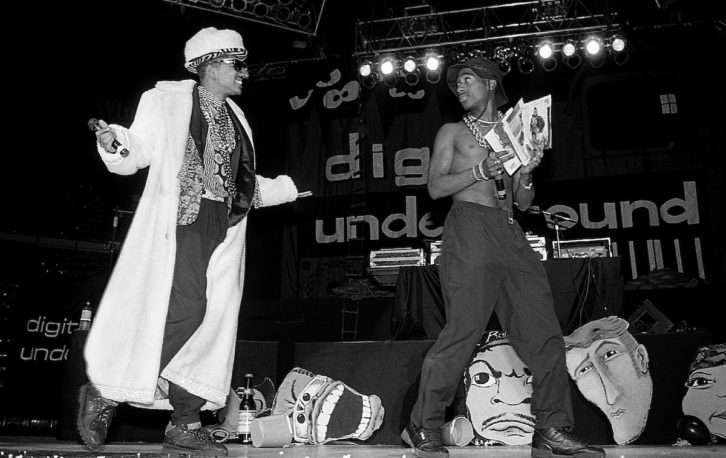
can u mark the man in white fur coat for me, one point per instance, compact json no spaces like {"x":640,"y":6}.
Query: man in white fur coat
{"x":165,"y":331}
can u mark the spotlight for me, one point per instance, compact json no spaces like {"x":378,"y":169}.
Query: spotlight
{"x":260,"y":10}
{"x":573,"y":61}
{"x":593,"y":45}
{"x":387,"y":66}
{"x":365,"y":68}
{"x":433,"y":77}
{"x":524,"y":60}
{"x":433,"y":63}
{"x":409,"y":64}
{"x":412,"y":78}
{"x":617,"y":43}
{"x":368,"y":81}
{"x":546,"y":50}
{"x":621,"y":57}
{"x":525,"y":65}
{"x":569,"y":48}
{"x":501,"y":55}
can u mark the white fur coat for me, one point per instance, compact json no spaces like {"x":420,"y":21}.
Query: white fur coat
{"x":124,"y":345}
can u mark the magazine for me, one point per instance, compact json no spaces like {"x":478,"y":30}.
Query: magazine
{"x":525,"y":131}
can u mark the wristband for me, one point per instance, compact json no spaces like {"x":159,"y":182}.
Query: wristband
{"x":527,"y":187}
{"x":474,"y":173}
{"x":481,"y":171}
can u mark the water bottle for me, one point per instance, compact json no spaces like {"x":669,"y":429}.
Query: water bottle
{"x":86,"y":314}
{"x":247,"y":410}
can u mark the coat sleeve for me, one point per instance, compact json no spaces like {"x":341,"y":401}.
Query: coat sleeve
{"x":139,"y":139}
{"x":275,"y":191}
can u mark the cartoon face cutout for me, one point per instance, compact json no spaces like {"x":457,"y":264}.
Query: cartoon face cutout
{"x":499,"y":394}
{"x":611,"y":371}
{"x":706,"y":383}
{"x":322,"y":409}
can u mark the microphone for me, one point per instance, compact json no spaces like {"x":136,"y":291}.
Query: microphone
{"x":94,"y":125}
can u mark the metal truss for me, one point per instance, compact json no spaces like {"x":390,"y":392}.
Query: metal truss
{"x":274,"y":70}
{"x":496,"y":24}
{"x":295,"y":16}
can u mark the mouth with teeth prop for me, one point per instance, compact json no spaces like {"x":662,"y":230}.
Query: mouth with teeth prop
{"x":329,"y":410}
{"x":343,"y":413}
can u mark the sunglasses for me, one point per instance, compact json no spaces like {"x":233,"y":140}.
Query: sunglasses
{"x":236,"y":63}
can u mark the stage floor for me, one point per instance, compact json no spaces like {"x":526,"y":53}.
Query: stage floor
{"x":45,"y":447}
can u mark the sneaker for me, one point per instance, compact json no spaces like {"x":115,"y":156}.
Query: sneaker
{"x":94,"y":416}
{"x":557,"y":442}
{"x":426,"y":443}
{"x":181,"y":439}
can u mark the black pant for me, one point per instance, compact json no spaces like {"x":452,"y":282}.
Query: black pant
{"x":486,"y":265}
{"x":195,"y":244}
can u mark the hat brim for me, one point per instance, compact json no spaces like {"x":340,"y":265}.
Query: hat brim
{"x":236,"y":53}
{"x":500,"y":97}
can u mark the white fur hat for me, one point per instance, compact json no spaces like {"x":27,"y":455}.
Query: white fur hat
{"x":211,"y":43}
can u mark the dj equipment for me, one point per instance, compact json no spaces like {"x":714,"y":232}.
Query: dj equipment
{"x":384,"y":263}
{"x":538,"y":244}
{"x":583,"y":248}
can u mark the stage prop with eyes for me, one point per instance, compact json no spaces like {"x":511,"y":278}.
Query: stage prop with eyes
{"x":315,"y":409}
{"x":499,"y":393}
{"x":704,"y":404}
{"x":611,"y":370}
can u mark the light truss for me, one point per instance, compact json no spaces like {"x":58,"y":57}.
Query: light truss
{"x":490,"y":24}
{"x":274,"y":70}
{"x":296,"y":16}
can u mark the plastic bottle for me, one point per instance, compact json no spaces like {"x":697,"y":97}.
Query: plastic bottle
{"x":247,"y":410}
{"x":86,"y":314}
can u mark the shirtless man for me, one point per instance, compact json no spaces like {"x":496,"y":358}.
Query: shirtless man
{"x":487,"y":265}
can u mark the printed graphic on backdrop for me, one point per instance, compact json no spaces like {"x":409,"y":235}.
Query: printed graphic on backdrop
{"x":499,"y":393}
{"x":611,"y":370}
{"x":365,"y":155}
{"x":706,"y":383}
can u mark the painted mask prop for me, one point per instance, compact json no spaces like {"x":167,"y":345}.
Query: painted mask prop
{"x":611,"y":370}
{"x":322,"y":410}
{"x":706,"y":395}
{"x":499,"y":393}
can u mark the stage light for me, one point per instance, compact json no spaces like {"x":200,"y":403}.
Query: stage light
{"x":545,"y":50}
{"x":412,"y":78}
{"x":593,"y":45}
{"x":433,"y":62}
{"x":573,"y":61}
{"x":365,"y":68}
{"x":368,"y":81}
{"x":387,"y":66}
{"x":409,"y":64}
{"x":433,"y":77}
{"x":501,"y":56}
{"x":617,"y":43}
{"x":260,"y":10}
{"x":525,"y":65}
{"x":569,"y":48}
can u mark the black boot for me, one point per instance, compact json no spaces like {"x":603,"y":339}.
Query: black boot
{"x":426,"y":443}
{"x":557,"y":442}
{"x":94,"y":416}
{"x":182,"y":440}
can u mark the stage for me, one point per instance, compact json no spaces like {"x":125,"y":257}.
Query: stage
{"x":30,"y":447}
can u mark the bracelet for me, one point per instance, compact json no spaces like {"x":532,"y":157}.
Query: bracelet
{"x":474,"y":173}
{"x":481,"y":171}
{"x":527,"y":187}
